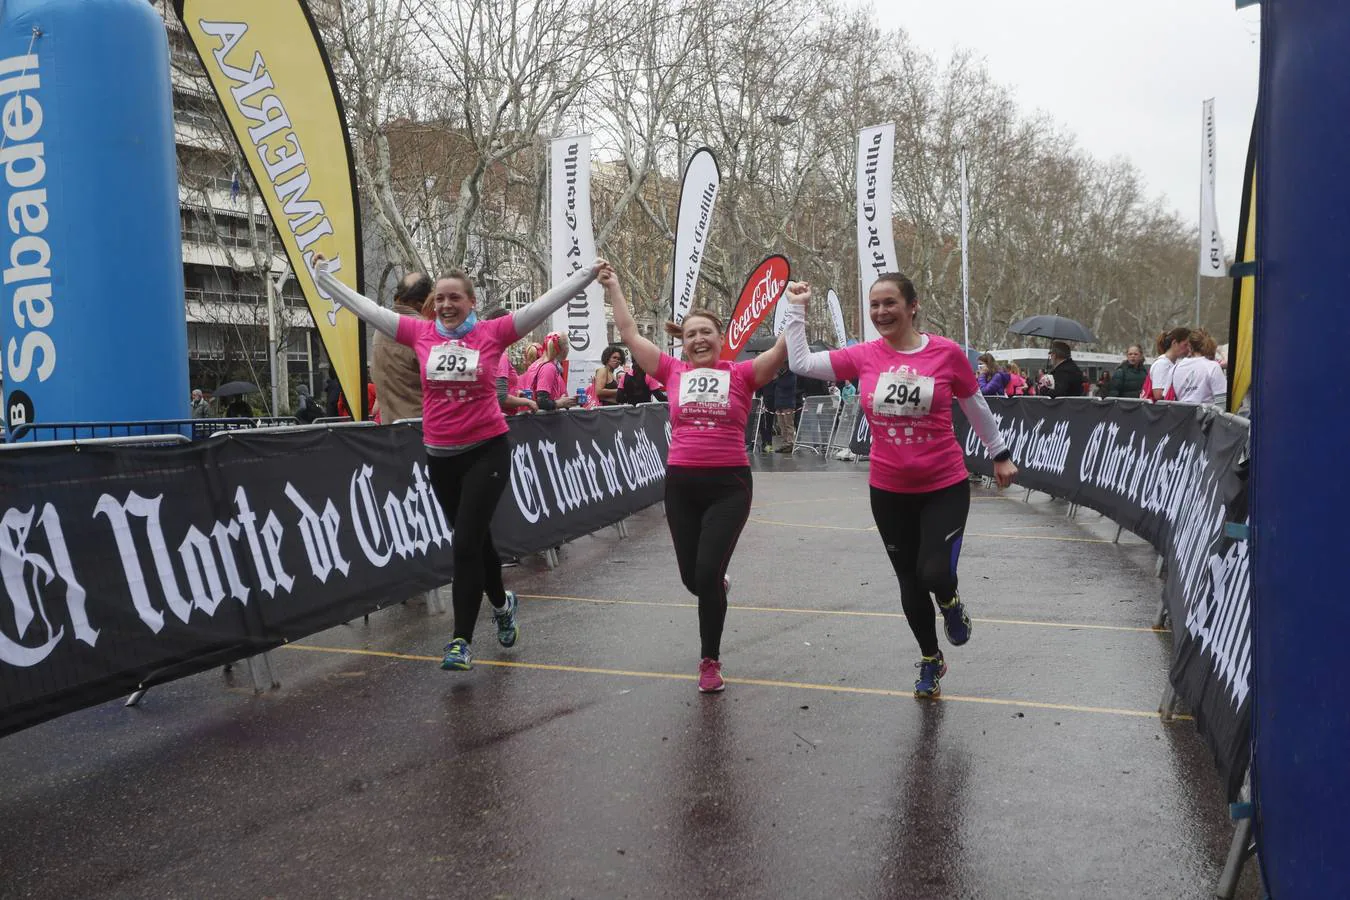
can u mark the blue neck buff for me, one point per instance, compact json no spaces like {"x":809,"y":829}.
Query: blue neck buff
{"x":462,"y":329}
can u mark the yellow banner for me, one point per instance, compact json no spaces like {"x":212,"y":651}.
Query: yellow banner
{"x":1241,"y":328}
{"x":269,"y":69}
{"x":1240,"y":353}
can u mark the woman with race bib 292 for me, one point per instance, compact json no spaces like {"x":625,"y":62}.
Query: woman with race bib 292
{"x":708,"y":486}
{"x":920,"y":490}
{"x":463,"y":428}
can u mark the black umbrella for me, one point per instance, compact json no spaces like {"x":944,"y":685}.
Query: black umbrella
{"x":1055,"y":328}
{"x":236,"y":388}
{"x":757,"y":345}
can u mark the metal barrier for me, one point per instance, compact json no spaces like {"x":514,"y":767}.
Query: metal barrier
{"x":156,"y":440}
{"x":843,"y":429}
{"x":197,"y":429}
{"x":752,"y":440}
{"x":816,"y":426}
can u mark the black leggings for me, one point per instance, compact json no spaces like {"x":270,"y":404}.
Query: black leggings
{"x":706,"y":510}
{"x":468,"y":487}
{"x":922,"y":533}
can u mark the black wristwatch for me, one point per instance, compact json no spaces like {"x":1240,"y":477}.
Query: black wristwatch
{"x":1004,"y":456}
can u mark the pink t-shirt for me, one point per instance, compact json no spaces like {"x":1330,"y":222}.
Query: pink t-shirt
{"x":531,"y":372}
{"x":708,"y":412}
{"x":907,"y":398}
{"x":547,"y":378}
{"x":459,"y":379}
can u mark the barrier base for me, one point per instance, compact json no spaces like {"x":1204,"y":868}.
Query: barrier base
{"x":1242,"y":848}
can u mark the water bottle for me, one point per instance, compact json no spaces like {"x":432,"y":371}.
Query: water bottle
{"x":581,"y":398}
{"x":527,"y":394}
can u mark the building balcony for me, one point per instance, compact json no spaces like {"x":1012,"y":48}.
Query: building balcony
{"x":242,"y":309}
{"x":205,"y":250}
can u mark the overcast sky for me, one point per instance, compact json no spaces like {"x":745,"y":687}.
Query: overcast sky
{"x":1126,"y":77}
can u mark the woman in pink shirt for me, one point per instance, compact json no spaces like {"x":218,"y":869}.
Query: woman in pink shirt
{"x":708,"y":487}
{"x":920,"y":492}
{"x":468,"y":459}
{"x":545,"y":378}
{"x":508,"y":381}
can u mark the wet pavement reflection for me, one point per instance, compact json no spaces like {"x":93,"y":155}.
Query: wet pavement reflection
{"x":584,"y":763}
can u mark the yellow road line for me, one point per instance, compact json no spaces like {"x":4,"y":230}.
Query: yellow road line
{"x":799,"y":525}
{"x":839,"y":612}
{"x":758,"y":682}
{"x":979,"y":534}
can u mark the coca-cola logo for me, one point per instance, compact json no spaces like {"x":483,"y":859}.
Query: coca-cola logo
{"x":762,"y":290}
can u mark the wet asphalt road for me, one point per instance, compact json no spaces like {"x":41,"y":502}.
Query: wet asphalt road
{"x":583,"y":763}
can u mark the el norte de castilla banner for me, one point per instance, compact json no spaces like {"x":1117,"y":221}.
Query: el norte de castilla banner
{"x":267,"y":64}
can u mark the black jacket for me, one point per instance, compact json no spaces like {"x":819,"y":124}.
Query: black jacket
{"x":1068,"y":380}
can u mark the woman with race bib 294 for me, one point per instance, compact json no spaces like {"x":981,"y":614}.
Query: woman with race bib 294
{"x":920,"y":490}
{"x":708,"y":486}
{"x":463,"y":428}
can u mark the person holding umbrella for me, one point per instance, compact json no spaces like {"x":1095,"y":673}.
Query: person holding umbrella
{"x":238,"y":408}
{"x":463,"y":428}
{"x":1063,"y":378}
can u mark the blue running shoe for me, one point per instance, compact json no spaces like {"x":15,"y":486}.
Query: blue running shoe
{"x":507,"y":629}
{"x":458,"y":657}
{"x":931,"y":669}
{"x":955,"y":621}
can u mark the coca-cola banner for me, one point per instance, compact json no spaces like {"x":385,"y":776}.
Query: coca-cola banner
{"x":1174,"y":474}
{"x":124,"y":567}
{"x":762,"y":290}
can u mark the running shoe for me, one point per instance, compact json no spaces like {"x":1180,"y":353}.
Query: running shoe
{"x":507,"y":629}
{"x":458,"y":657}
{"x":931,"y":669}
{"x":710,"y":676}
{"x":955,"y":621}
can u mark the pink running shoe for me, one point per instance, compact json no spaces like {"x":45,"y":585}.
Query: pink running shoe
{"x":710,"y":676}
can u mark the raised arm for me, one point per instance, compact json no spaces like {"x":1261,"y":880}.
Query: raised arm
{"x":768,"y":363}
{"x":800,"y":358}
{"x":382,"y":320}
{"x":538,"y":311}
{"x":647,"y":354}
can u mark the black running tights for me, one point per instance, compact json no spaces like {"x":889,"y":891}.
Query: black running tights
{"x":706,"y":508}
{"x":468,"y":487}
{"x":922,"y":534}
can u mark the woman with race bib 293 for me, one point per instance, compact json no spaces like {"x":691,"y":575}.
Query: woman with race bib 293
{"x":708,"y":486}
{"x":920,"y":490}
{"x":463,"y":428}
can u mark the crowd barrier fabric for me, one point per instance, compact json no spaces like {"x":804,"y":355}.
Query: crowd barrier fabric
{"x":1174,"y":474}
{"x":125,"y":567}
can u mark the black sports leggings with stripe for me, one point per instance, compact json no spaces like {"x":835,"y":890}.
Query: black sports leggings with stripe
{"x":922,"y":534}
{"x":468,"y":487}
{"x":706,"y":508}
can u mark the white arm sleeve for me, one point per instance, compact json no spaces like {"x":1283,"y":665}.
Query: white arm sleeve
{"x":981,"y":419}
{"x":800,"y":358}
{"x":382,"y":320}
{"x":537,"y":313}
